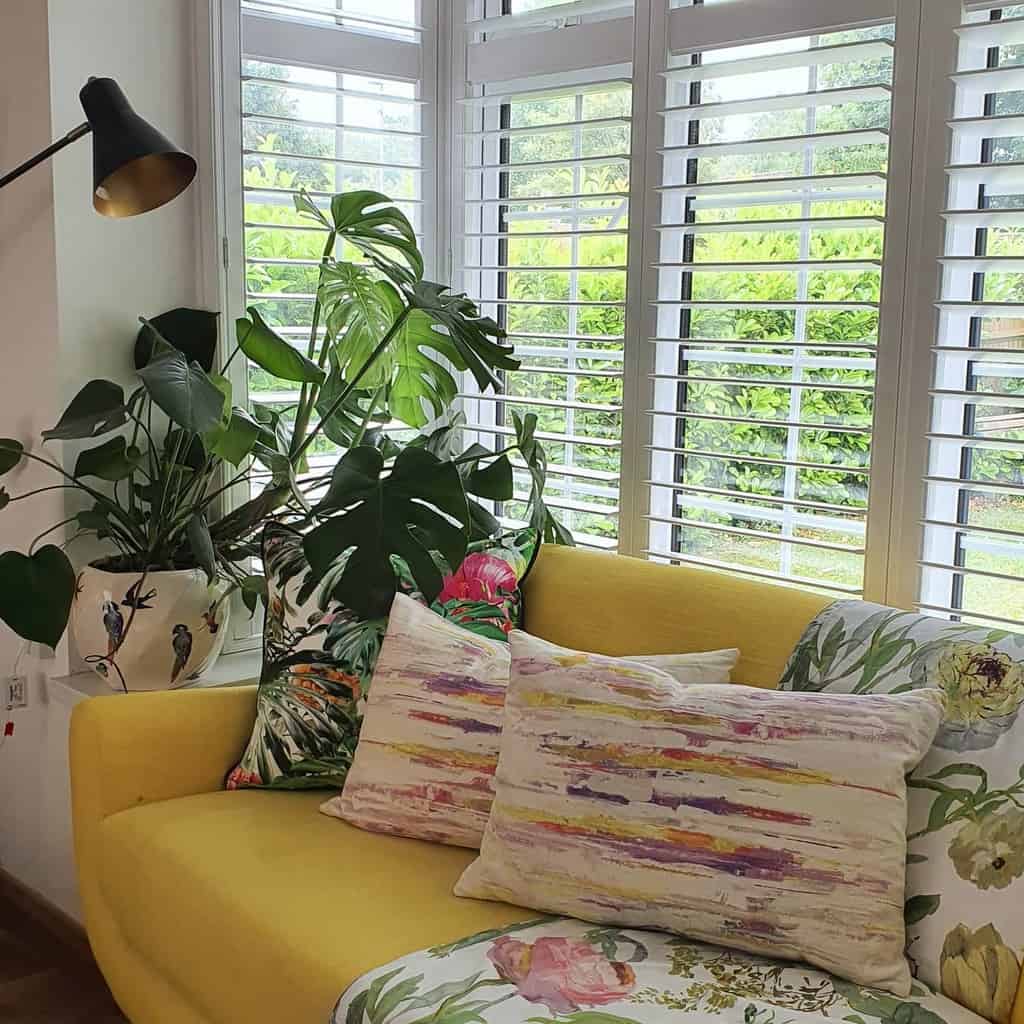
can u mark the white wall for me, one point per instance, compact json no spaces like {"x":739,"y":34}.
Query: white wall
{"x":73,"y":285}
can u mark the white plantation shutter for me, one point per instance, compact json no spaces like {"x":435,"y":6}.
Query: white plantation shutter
{"x":973,"y":555}
{"x":540,"y":216}
{"x":332,"y":100}
{"x":770,"y":218}
{"x":762,"y":261}
{"x":330,"y":96}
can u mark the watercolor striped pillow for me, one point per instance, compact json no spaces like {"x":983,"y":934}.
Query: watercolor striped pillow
{"x":766,"y":821}
{"x":428,"y":749}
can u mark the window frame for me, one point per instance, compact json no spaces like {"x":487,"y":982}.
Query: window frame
{"x":922,"y":101}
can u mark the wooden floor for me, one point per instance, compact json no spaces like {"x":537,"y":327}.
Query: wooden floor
{"x":46,"y":976}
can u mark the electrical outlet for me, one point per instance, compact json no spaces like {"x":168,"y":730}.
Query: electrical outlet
{"x":17,"y":691}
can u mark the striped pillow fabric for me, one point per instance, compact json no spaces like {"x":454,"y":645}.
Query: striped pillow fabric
{"x":766,"y":821}
{"x":428,"y":749}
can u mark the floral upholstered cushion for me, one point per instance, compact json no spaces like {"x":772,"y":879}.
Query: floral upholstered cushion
{"x":965,"y":879}
{"x":319,"y":656}
{"x":765,"y":821}
{"x":558,"y":971}
{"x":428,"y":748}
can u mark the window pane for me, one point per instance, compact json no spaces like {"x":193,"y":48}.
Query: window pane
{"x":974,"y":538}
{"x":545,"y":219}
{"x":772,"y":233}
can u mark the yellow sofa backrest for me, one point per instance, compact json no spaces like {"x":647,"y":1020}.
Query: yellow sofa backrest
{"x":590,"y":601}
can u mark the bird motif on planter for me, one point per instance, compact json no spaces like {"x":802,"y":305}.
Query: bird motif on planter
{"x":113,"y":623}
{"x":210,"y":618}
{"x":181,"y":641}
{"x":133,"y":600}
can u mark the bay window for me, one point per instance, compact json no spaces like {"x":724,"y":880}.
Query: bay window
{"x":760,"y":259}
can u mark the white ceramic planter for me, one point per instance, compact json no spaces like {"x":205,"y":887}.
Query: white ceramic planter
{"x":175,"y":634}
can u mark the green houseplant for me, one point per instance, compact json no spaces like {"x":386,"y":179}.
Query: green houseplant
{"x":384,"y":348}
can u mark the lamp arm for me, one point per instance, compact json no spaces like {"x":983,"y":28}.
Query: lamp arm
{"x":44,"y":154}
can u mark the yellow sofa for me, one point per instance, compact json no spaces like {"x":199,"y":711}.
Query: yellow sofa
{"x":210,"y":907}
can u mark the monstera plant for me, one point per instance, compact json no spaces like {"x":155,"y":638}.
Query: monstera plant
{"x":385,"y":348}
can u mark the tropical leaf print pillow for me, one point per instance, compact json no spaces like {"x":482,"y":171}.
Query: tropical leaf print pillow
{"x":965,"y":878}
{"x":319,"y":655}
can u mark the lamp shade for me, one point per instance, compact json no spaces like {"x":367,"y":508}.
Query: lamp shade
{"x":135,"y":168}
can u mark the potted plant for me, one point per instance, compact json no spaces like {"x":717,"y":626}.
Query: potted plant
{"x":383,"y":348}
{"x":151,"y":613}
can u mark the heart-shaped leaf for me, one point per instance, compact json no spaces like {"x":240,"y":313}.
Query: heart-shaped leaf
{"x":418,"y":508}
{"x":11,"y":452}
{"x":254,"y":590}
{"x":94,"y":518}
{"x":113,"y":460}
{"x":182,"y":390}
{"x":235,"y":441}
{"x":272,"y":353}
{"x":96,"y":409}
{"x":36,"y":592}
{"x":191,"y":331}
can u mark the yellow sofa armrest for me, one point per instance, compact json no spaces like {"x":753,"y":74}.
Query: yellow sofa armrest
{"x":143,"y":747}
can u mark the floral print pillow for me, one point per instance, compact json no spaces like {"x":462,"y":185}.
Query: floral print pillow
{"x":319,"y":655}
{"x":560,"y":971}
{"x":965,"y":877}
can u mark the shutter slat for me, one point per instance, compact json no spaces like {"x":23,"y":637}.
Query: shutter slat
{"x":790,"y":224}
{"x":781,"y":144}
{"x":796,"y":185}
{"x":813,"y":56}
{"x":773,"y":266}
{"x":335,"y":160}
{"x":1005,"y":32}
{"x":769,"y":104}
{"x":756,"y":499}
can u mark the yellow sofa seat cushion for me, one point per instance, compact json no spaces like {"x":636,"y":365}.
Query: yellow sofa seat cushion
{"x":258,"y":908}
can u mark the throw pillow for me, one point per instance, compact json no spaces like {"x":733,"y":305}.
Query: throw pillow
{"x":965,"y":879}
{"x":428,"y":748}
{"x":764,"y":821}
{"x":318,"y":655}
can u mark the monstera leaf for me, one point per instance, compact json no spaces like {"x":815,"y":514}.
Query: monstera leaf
{"x":359,"y":309}
{"x":420,"y":380}
{"x":371,"y":223}
{"x":418,"y":508}
{"x":551,"y":530}
{"x":36,"y":592}
{"x":476,"y":338}
{"x":344,"y":423}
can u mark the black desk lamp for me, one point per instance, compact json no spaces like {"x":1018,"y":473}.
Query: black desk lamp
{"x":135,"y":169}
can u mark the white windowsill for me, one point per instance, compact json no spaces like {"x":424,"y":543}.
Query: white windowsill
{"x":242,"y":667}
